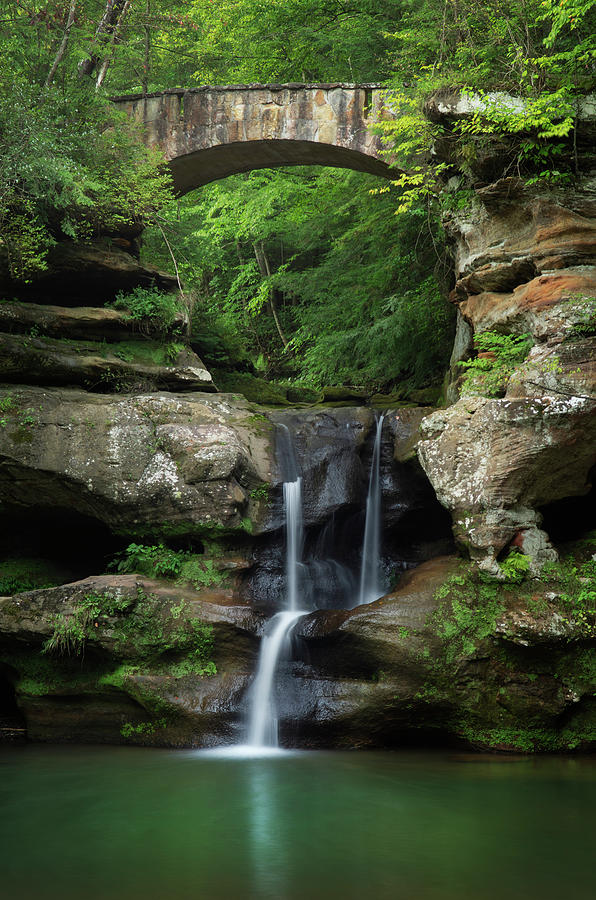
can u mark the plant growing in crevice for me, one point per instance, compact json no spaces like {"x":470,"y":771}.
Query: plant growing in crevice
{"x":515,"y":567}
{"x":497,"y":357}
{"x":151,"y":308}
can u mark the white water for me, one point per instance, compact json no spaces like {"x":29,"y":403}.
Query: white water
{"x":263,"y":723}
{"x":370,"y":575}
{"x":294,"y":539}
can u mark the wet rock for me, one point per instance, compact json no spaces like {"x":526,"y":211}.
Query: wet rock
{"x":135,"y":674}
{"x":327,"y":445}
{"x":430,"y":663}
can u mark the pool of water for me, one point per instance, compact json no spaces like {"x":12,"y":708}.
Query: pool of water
{"x":163,"y":825}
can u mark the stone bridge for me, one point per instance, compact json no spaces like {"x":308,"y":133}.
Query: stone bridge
{"x":211,"y":132}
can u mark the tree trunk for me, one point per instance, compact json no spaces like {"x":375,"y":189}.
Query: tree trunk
{"x":264,"y":269}
{"x":109,"y":21}
{"x":64,"y":43}
{"x":115,"y":39}
{"x":146,"y":64}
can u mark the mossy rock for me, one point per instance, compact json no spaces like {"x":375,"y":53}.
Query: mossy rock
{"x":299,"y":393}
{"x":342,"y":394}
{"x":428,"y":396}
{"x":255,"y":389}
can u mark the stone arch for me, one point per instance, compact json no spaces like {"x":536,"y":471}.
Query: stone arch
{"x":203,"y":166}
{"x":211,"y":132}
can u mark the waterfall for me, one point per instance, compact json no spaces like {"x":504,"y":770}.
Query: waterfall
{"x":294,"y":539}
{"x":262,"y":728}
{"x":370,"y":574}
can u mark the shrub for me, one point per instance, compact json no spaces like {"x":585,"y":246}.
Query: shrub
{"x":149,"y":306}
{"x":149,"y":560}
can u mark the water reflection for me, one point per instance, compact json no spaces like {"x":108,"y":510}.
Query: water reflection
{"x":269,"y":852}
{"x":129,"y":824}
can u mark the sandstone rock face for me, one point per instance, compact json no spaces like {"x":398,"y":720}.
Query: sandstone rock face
{"x":83,"y":323}
{"x":524,"y":264}
{"x":494,"y":462}
{"x":139,"y":463}
{"x":35,"y":360}
{"x":426,"y":662}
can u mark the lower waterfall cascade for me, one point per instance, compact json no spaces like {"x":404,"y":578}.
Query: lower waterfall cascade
{"x":262,"y":730}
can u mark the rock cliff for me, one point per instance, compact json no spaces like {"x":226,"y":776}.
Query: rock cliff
{"x":142,"y":521}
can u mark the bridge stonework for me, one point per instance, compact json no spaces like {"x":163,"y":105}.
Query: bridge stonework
{"x":209,"y":133}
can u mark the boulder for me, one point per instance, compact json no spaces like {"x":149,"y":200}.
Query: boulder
{"x":144,"y":464}
{"x":139,"y":664}
{"x":494,"y":462}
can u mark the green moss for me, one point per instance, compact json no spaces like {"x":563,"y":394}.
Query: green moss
{"x":38,"y":676}
{"x":28,"y":574}
{"x":138,"y":628}
{"x":142,"y":729}
{"x":201,"y":572}
{"x":255,"y":389}
{"x":210,"y":531}
{"x":531,"y":740}
{"x":467,"y":613}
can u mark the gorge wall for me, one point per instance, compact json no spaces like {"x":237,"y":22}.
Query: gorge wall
{"x":111,"y":435}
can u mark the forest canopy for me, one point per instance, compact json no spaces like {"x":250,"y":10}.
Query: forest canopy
{"x":309,"y":274}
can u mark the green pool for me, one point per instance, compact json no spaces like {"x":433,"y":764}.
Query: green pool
{"x":90,"y":823}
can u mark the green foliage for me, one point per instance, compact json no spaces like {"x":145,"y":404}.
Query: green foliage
{"x":69,"y":636}
{"x":13,"y":413}
{"x":575,"y":585}
{"x":72,"y":630}
{"x":148,"y":560}
{"x":261,"y":492}
{"x":488,"y":373}
{"x":586,"y":326}
{"x":160,"y":561}
{"x":201,"y":573}
{"x":515,"y":567}
{"x":139,"y":628}
{"x":149,"y":306}
{"x":353,"y":285}
{"x":26,"y":574}
{"x":70,"y":166}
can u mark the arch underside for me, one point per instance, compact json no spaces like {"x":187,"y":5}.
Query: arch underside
{"x":203,"y":166}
